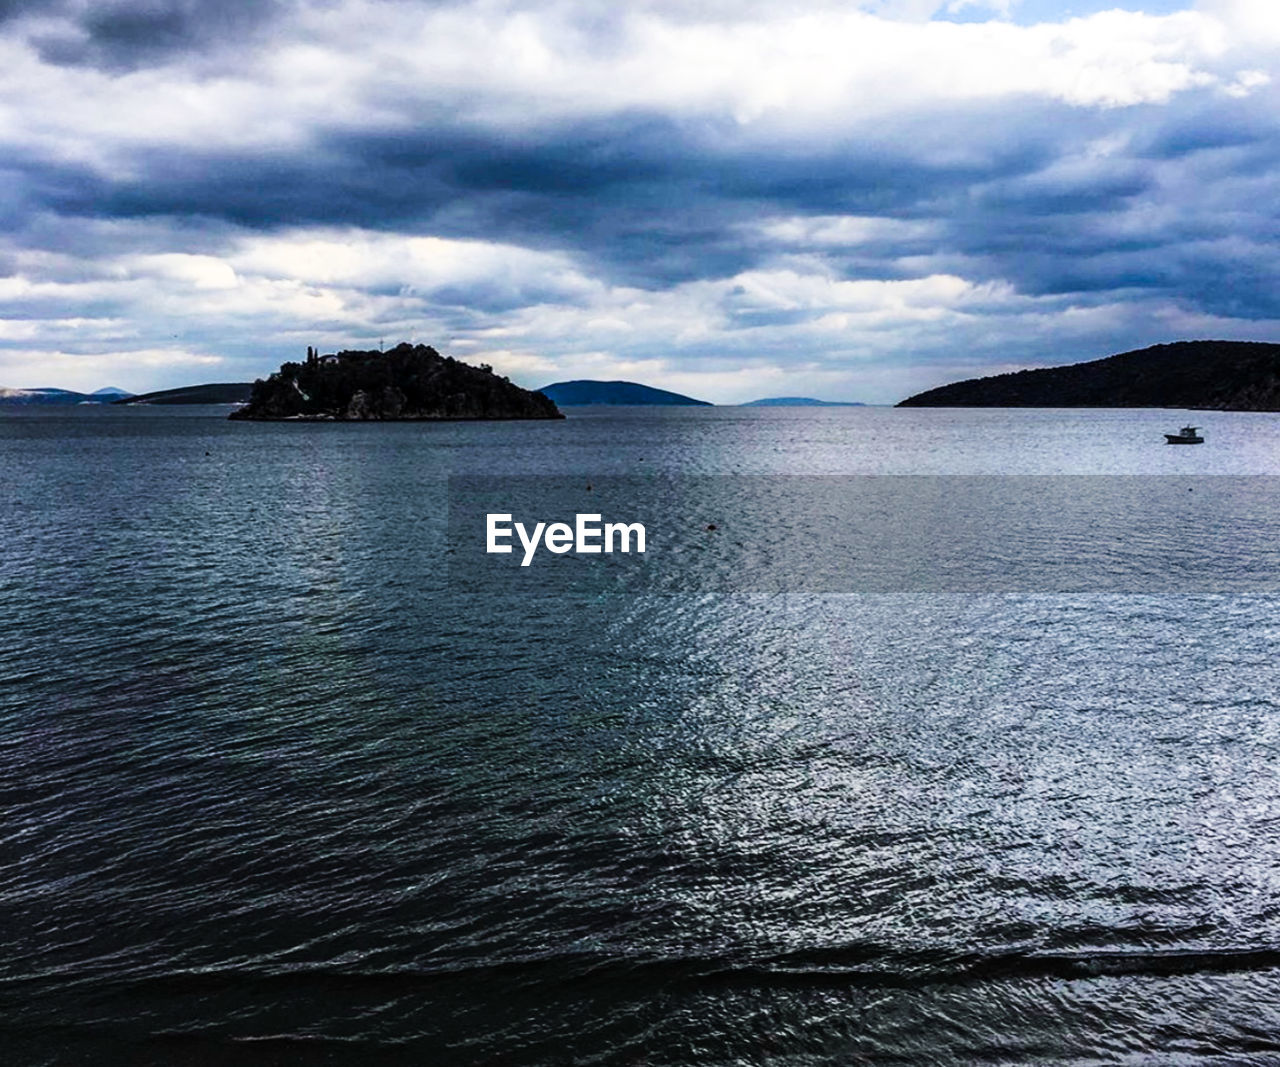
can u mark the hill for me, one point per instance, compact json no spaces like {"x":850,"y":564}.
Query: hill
{"x":586,"y":391}
{"x":41,"y":396}
{"x":405,"y":382}
{"x":213,"y":393}
{"x":1217,"y":375}
{"x":58,"y":396}
{"x":800,"y":402}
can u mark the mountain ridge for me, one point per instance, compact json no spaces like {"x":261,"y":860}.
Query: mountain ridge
{"x":209,"y":393}
{"x":1206,"y":375}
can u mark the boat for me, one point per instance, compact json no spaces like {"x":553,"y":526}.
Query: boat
{"x":1188,"y":435}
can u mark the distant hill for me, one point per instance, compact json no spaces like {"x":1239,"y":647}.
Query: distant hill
{"x":110,"y":393}
{"x":40,"y":396}
{"x":58,"y":396}
{"x":1214,"y":375}
{"x":585,"y":391}
{"x":214,"y":393}
{"x":800,"y":402}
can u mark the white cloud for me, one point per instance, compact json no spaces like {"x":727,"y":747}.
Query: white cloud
{"x":414,"y":265}
{"x":1251,"y":23}
{"x":356,"y":64}
{"x":843,"y":231}
{"x":128,"y":368}
{"x":197,"y":272}
{"x":1246,"y":82}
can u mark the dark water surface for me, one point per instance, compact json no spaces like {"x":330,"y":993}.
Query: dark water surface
{"x":274,"y":790}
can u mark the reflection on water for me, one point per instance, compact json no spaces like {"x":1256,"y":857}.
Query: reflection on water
{"x":276,"y":791}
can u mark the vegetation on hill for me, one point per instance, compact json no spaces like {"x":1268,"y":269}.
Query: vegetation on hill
{"x":405,"y":382}
{"x":1218,"y":375}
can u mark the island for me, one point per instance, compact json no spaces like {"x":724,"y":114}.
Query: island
{"x":408,"y":382}
{"x":800,"y":402}
{"x":1208,"y":375}
{"x":588,"y":391}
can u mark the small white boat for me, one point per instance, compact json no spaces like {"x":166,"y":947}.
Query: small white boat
{"x":1188,"y":435}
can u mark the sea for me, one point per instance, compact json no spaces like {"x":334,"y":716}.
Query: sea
{"x":290,"y":774}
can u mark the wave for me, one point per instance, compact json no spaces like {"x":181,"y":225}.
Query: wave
{"x":853,"y":965}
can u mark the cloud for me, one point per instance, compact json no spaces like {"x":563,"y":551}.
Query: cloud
{"x":123,"y":35}
{"x":869,"y":196}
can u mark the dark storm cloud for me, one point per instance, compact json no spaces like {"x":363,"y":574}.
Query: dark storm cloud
{"x":1203,"y":132}
{"x":649,"y":201}
{"x":127,"y":34}
{"x":1050,"y":197}
{"x":11,"y":9}
{"x":646,"y":199}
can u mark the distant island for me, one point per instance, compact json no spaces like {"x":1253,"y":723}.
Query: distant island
{"x":213,"y":393}
{"x":586,"y":391}
{"x":1210,"y":375}
{"x":403,"y":383}
{"x":108,"y":395}
{"x":800,"y":402}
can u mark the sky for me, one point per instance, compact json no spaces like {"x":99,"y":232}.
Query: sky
{"x":851,"y":200}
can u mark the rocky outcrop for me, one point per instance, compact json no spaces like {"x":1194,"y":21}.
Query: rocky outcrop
{"x":405,"y":382}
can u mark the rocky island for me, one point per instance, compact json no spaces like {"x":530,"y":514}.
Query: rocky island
{"x":1211,"y":375}
{"x":403,"y":383}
